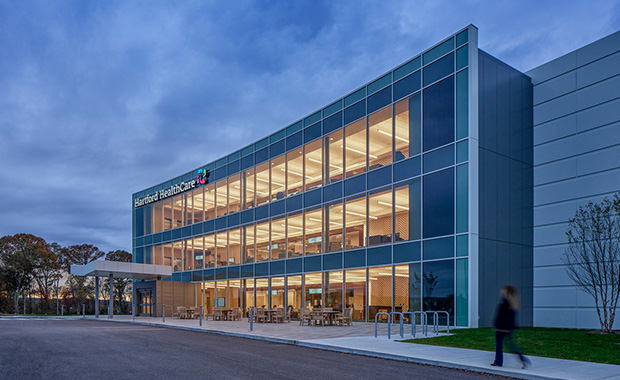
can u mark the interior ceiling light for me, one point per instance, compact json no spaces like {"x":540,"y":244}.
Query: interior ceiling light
{"x":396,"y":137}
{"x":359,"y":151}
{"x":390,"y":205}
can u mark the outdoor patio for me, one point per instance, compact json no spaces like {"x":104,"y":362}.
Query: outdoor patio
{"x":287,"y":331}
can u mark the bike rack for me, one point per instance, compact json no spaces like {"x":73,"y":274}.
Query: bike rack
{"x":423,"y":321}
{"x":435,"y":320}
{"x":401,"y":321}
{"x":413,"y":324}
{"x":389,"y":323}
{"x":447,"y":320}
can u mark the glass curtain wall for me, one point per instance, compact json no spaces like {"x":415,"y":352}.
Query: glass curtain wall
{"x":355,"y":293}
{"x":262,"y":292}
{"x":294,"y":294}
{"x":379,"y":292}
{"x":355,"y":148}
{"x":277,"y":292}
{"x":333,"y":289}
{"x":294,"y":234}
{"x":313,"y":290}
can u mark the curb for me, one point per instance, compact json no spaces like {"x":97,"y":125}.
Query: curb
{"x":353,"y":351}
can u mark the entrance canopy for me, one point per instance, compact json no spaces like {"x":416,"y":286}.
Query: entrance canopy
{"x":118,"y":269}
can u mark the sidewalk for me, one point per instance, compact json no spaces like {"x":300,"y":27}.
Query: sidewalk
{"x":359,"y":339}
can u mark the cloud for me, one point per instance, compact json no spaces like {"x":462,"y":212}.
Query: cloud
{"x":103,"y":99}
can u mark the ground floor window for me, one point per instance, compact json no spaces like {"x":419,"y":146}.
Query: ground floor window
{"x":434,"y":285}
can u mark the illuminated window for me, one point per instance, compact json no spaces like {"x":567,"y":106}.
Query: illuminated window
{"x":262,"y":183}
{"x":313,"y":158}
{"x":234,"y":246}
{"x":221,"y":242}
{"x":209,"y":195}
{"x":247,"y":178}
{"x":355,"y":220}
{"x":333,"y":227}
{"x":249,"y":243}
{"x":333,"y":155}
{"x":262,"y":242}
{"x":295,"y":172}
{"x":294,"y":234}
{"x":278,"y":239}
{"x":221,"y":190}
{"x":380,"y":138}
{"x":313,"y":228}
{"x":380,"y":217}
{"x":355,"y":148}
{"x":234,"y":193}
{"x":278,"y":178}
{"x":209,"y":251}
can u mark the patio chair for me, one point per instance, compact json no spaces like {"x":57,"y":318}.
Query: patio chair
{"x":287,"y":316}
{"x":318,"y":318}
{"x":280,"y":315}
{"x":236,"y":314}
{"x":217,"y":314}
{"x":261,"y":316}
{"x":345,"y":317}
{"x":180,"y":312}
{"x":304,"y":316}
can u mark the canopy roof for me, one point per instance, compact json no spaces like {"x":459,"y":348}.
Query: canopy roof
{"x":118,"y":269}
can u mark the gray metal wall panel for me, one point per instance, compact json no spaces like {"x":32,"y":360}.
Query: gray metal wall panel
{"x":555,"y":171}
{"x":553,"y":69}
{"x":555,"y":129}
{"x":555,"y":87}
{"x":598,"y":49}
{"x":577,"y":137}
{"x":599,"y":115}
{"x":600,"y":70}
{"x":505,"y":180}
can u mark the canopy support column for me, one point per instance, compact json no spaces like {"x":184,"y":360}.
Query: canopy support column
{"x":96,"y":297}
{"x":111,"y":304}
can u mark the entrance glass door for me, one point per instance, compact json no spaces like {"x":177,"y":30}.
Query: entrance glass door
{"x":145,"y":307}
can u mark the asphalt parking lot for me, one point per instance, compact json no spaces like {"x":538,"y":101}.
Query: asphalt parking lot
{"x":86,"y":349}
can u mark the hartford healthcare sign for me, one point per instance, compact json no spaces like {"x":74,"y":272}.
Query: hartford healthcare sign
{"x":203,"y":178}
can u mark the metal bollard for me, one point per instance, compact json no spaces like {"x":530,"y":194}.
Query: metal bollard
{"x":133,"y":311}
{"x":83,"y":311}
{"x":62,"y":310}
{"x":163,"y":313}
{"x":251,"y":319}
{"x":200,"y":315}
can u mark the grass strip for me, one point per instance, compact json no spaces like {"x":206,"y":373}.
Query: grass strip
{"x":571,"y":344}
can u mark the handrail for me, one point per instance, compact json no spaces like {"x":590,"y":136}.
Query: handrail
{"x":401,"y":321}
{"x":447,"y":320}
{"x":423,"y":321}
{"x":413,"y":324}
{"x":389,"y":324}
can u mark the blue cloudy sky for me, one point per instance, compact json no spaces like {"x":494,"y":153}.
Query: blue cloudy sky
{"x":100,"y":99}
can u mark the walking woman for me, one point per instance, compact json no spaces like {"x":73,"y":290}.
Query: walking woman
{"x":505,"y":324}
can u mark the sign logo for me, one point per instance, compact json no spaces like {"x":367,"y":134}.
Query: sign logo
{"x":203,"y":176}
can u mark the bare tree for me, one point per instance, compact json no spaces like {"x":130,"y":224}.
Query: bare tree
{"x":593,"y":255}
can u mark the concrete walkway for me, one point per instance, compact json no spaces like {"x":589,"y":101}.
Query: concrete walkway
{"x":359,"y":339}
